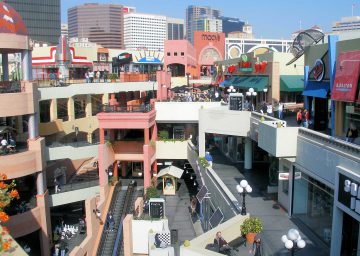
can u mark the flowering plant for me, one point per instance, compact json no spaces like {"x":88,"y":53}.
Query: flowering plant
{"x":7,"y":194}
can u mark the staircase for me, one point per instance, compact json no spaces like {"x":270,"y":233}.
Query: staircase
{"x":87,"y":172}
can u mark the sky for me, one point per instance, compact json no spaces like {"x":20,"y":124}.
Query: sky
{"x":275,"y":19}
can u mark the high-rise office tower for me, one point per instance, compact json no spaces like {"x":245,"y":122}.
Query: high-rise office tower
{"x":64,"y":30}
{"x":100,"y":23}
{"x":347,"y":24}
{"x":231,"y":25}
{"x":175,"y":28}
{"x":41,"y":17}
{"x":144,"y":31}
{"x":196,"y":12}
{"x":207,"y":24}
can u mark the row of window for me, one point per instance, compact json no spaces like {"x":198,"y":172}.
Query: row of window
{"x":175,"y":54}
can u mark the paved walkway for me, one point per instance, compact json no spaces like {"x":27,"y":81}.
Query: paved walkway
{"x":276,"y":221}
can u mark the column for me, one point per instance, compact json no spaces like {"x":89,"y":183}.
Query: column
{"x":71,"y":109}
{"x":105,"y":98}
{"x":5,"y":66}
{"x":40,"y":183}
{"x":123,"y":168}
{"x":248,"y":154}
{"x":88,"y":108}
{"x":201,"y":143}
{"x":146,"y":136}
{"x":53,"y":110}
{"x":89,"y":137}
{"x":336,"y":231}
{"x":26,"y":65}
{"x":19,"y":124}
{"x":33,"y":126}
{"x":102,"y":135}
{"x":116,"y":172}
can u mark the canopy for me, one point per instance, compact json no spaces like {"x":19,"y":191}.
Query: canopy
{"x":291,"y":83}
{"x":172,"y":171}
{"x":258,"y":83}
{"x":316,"y":89}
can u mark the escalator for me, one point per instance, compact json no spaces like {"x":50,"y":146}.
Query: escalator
{"x":111,"y":242}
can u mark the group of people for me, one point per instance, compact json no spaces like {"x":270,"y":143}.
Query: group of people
{"x":268,"y":109}
{"x":302,"y":118}
{"x":91,"y":76}
{"x":225,"y":248}
{"x":8,"y":146}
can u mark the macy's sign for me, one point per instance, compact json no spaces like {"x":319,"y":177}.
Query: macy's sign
{"x":206,"y":37}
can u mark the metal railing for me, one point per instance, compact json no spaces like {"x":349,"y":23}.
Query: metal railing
{"x":129,"y":109}
{"x":72,"y":144}
{"x":11,"y":87}
{"x":75,"y":186}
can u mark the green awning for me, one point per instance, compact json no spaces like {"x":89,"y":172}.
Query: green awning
{"x":291,"y":83}
{"x":246,"y":82}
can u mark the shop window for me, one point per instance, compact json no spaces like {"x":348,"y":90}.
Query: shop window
{"x":175,"y":53}
{"x":182,"y":54}
{"x":313,"y":204}
{"x":285,"y":183}
{"x":168,"y":54}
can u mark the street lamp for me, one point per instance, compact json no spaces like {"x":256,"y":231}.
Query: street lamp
{"x":231,"y":89}
{"x":243,"y":188}
{"x":265,"y":91}
{"x":293,"y":241}
{"x":251,"y":93}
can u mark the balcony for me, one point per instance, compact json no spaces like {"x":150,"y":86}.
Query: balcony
{"x":171,"y":149}
{"x":24,"y":163}
{"x":128,"y":150}
{"x":74,"y":150}
{"x":277,"y":139}
{"x":17,"y":98}
{"x":128,"y":109}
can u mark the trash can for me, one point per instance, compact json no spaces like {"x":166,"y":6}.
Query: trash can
{"x":174,"y":236}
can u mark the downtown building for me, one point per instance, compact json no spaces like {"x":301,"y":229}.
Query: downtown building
{"x":347,"y":24}
{"x":175,"y":28}
{"x":231,"y":25}
{"x":144,"y":31}
{"x":100,"y":23}
{"x":41,"y":17}
{"x":194,"y":13}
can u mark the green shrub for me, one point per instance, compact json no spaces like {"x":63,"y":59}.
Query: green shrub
{"x":113,"y":76}
{"x":152,"y":192}
{"x":163,"y":135}
{"x":186,"y":243}
{"x":251,"y":225}
{"x":203,"y":162}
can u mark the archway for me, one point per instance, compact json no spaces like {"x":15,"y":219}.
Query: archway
{"x":176,"y":69}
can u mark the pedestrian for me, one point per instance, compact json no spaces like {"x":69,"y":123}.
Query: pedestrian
{"x":52,"y":77}
{"x":305,"y":118}
{"x":209,"y":158}
{"x":105,"y":76}
{"x":299,"y":117}
{"x":280,"y":110}
{"x":63,"y":247}
{"x":269,"y":110}
{"x":110,"y":222}
{"x":257,"y":248}
{"x":193,"y":205}
{"x":57,"y":186}
{"x":221,"y":243}
{"x":91,"y":76}
{"x":98,"y":75}
{"x":352,"y":133}
{"x":264,"y":108}
{"x":87,"y":77}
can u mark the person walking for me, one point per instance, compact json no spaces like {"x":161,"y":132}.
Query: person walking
{"x":257,"y":248}
{"x":98,"y":75}
{"x":352,"y":133}
{"x":193,"y":205}
{"x":305,"y":118}
{"x":269,"y":110}
{"x":105,"y":76}
{"x":280,"y":110}
{"x":87,"y":77}
{"x":110,"y":222}
{"x":57,"y":186}
{"x":299,"y":117}
{"x":91,"y":76}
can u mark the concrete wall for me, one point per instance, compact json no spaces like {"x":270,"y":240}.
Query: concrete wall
{"x":314,"y":148}
{"x":55,"y":153}
{"x":106,"y":158}
{"x":347,"y":46}
{"x":73,"y":196}
{"x":24,"y":223}
{"x":296,"y":68}
{"x":181,"y":111}
{"x":171,"y":149}
{"x":279,"y":142}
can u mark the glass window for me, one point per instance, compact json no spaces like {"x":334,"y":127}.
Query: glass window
{"x":182,"y":53}
{"x":168,"y":54}
{"x":313,"y":204}
{"x":175,"y":53}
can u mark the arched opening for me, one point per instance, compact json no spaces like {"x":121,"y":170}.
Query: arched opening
{"x":176,"y":69}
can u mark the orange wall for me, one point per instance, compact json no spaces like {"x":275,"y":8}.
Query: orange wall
{"x":24,"y":223}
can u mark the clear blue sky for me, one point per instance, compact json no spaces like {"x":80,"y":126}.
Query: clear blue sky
{"x":270,"y":19}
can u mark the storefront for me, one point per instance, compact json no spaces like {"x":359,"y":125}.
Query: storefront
{"x":345,"y":92}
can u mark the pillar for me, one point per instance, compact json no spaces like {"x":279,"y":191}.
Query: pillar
{"x":248,"y":154}
{"x":116,"y":172}
{"x":33,"y":127}
{"x":105,"y":98}
{"x":71,"y":109}
{"x":88,"y":108}
{"x":147,"y":174}
{"x":26,"y":63}
{"x":102,"y":135}
{"x":201,"y":141}
{"x":332,"y":41}
{"x":53,"y":110}
{"x":89,"y":137}
{"x":19,"y":124}
{"x":123,"y":168}
{"x":336,"y":231}
{"x":146,"y":136}
{"x":5,"y":66}
{"x":40,"y":183}
{"x":154,"y":132}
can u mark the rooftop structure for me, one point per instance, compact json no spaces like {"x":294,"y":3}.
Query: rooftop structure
{"x":347,"y":24}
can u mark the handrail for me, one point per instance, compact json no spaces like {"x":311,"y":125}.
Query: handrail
{"x":127,"y":205}
{"x":76,"y":186}
{"x":139,"y":109}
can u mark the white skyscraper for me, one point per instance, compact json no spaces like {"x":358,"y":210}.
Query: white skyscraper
{"x":144,"y":31}
{"x":347,"y":24}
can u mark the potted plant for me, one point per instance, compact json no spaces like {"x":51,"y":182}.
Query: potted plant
{"x":250,"y":227}
{"x":113,"y":77}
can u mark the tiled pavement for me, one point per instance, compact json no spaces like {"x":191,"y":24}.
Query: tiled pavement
{"x":276,"y":221}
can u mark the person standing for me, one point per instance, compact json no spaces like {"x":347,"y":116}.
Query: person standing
{"x":269,"y":110}
{"x":299,"y":117}
{"x":91,"y":76}
{"x":57,"y":185}
{"x":280,"y":110}
{"x":105,"y":76}
{"x":87,"y":77}
{"x":305,"y":118}
{"x":110,"y":222}
{"x":98,"y":75}
{"x":352,"y":133}
{"x":257,"y":248}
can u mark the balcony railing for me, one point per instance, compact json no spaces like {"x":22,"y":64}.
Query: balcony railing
{"x":75,"y":186}
{"x":133,"y":109}
{"x":11,"y":87}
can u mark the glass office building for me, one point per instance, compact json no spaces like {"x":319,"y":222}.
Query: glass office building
{"x":41,"y":17}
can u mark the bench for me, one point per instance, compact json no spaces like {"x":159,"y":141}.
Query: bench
{"x":241,"y":240}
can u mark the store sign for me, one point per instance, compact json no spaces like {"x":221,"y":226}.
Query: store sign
{"x":285,"y":175}
{"x":318,"y":70}
{"x":349,"y":193}
{"x":260,"y":67}
{"x":207,"y":37}
{"x":149,"y":59}
{"x":245,"y":64}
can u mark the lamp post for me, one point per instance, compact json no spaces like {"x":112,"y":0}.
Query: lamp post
{"x":251,"y":93}
{"x":265,"y":91}
{"x":231,"y":89}
{"x":293,"y":241}
{"x":243,"y":188}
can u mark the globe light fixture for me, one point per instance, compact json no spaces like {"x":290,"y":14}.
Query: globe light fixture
{"x":293,"y":241}
{"x":242,"y":189}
